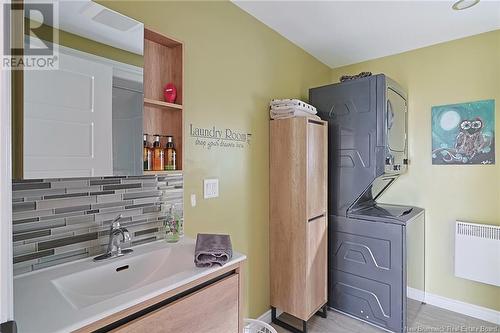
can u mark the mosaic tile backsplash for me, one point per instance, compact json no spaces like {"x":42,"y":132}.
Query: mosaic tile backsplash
{"x":61,"y":220}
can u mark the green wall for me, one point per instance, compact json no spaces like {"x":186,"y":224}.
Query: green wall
{"x":83,"y":44}
{"x":458,"y":71}
{"x":233,"y":66}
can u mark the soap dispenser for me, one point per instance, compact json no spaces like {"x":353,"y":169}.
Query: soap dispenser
{"x":158,"y":155}
{"x":147,"y":155}
{"x":170,"y":154}
{"x":171,"y":225}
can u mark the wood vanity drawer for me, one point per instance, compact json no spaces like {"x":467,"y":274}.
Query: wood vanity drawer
{"x":212,"y":309}
{"x":212,"y":303}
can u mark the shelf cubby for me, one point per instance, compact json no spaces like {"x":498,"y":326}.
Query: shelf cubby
{"x":163,"y":63}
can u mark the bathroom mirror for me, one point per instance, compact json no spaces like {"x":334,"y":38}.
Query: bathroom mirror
{"x":83,"y":118}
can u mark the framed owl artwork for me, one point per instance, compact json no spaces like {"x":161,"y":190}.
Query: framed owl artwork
{"x":464,"y":133}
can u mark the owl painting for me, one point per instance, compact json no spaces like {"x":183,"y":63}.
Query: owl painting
{"x":470,"y":139}
{"x":463,"y":133}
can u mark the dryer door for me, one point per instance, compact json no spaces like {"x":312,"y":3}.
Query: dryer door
{"x":396,"y":127}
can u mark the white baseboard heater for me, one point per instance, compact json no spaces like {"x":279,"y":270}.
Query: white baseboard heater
{"x":477,"y":252}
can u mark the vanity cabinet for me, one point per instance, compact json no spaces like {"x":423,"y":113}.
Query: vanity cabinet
{"x":210,"y":304}
{"x":298,"y":219}
{"x":211,"y":309}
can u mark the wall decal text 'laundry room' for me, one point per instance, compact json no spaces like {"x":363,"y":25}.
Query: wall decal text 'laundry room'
{"x":214,"y":137}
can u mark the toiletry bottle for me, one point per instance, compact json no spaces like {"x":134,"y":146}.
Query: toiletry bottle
{"x":158,"y":155}
{"x":171,"y":225}
{"x":170,"y":155}
{"x":147,"y":155}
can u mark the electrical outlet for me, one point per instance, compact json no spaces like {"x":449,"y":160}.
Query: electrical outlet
{"x":210,"y":188}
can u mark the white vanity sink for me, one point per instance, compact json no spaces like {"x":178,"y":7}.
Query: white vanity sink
{"x":66,"y":297}
{"x":119,"y":275}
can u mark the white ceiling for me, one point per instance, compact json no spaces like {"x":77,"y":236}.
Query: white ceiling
{"x":345,"y":32}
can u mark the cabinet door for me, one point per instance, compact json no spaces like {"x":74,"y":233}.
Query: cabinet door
{"x":68,"y":120}
{"x":316,"y":263}
{"x":317,"y":161}
{"x":213,"y":309}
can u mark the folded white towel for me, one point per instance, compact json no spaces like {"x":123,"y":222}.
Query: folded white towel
{"x":285,"y":109}
{"x":297,"y":113}
{"x":286,"y":101}
{"x":281,"y":103}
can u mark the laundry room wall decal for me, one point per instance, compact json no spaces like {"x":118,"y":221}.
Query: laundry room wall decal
{"x":214,"y":137}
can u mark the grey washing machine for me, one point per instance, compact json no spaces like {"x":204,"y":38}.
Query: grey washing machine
{"x":376,"y":251}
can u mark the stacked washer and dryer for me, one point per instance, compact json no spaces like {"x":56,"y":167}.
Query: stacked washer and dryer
{"x":376,"y":250}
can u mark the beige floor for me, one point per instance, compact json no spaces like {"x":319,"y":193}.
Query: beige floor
{"x":428,"y":319}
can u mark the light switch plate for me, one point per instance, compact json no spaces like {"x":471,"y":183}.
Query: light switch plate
{"x":210,"y":188}
{"x":193,"y":200}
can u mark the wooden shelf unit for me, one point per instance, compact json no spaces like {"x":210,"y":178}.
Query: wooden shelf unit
{"x":160,"y":104}
{"x":163,"y":63}
{"x":166,"y":172}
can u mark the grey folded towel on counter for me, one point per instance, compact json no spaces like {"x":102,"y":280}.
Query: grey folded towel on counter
{"x":212,"y":250}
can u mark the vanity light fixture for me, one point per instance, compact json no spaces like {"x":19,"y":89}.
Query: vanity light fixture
{"x":464,"y":4}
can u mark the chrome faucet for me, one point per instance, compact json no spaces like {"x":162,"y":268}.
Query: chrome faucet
{"x":114,"y":249}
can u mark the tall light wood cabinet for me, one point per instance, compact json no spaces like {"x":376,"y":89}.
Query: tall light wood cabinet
{"x":298,"y":217}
